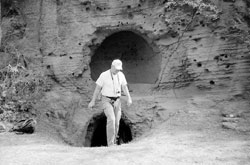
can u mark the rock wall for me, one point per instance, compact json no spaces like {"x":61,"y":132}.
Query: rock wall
{"x":1,"y":23}
{"x":64,"y":37}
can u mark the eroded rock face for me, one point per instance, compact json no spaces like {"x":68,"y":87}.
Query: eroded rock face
{"x":74,"y":41}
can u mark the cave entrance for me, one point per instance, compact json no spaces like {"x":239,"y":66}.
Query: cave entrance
{"x":141,"y":64}
{"x":96,"y":132}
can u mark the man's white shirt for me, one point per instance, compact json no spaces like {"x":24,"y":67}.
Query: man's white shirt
{"x":111,"y":84}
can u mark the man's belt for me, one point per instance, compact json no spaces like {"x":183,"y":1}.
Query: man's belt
{"x":112,"y":98}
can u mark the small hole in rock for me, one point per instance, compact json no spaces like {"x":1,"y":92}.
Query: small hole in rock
{"x":206,"y":70}
{"x":197,"y":39}
{"x":212,"y":82}
{"x":199,"y":64}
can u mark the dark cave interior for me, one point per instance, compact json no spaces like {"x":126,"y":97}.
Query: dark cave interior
{"x":96,"y":132}
{"x":138,"y":57}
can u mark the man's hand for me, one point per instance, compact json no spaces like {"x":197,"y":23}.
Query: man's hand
{"x":91,"y":104}
{"x":96,"y":93}
{"x":129,"y":102}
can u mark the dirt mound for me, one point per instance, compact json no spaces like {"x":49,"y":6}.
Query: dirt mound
{"x":191,"y":135}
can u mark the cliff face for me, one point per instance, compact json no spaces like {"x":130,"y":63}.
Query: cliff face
{"x":74,"y":41}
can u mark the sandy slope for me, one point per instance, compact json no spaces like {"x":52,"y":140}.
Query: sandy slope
{"x":193,"y":135}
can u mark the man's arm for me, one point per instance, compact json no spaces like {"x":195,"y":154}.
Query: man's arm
{"x":126,"y":91}
{"x":96,"y":93}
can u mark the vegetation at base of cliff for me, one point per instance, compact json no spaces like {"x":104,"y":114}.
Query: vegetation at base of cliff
{"x":21,"y":86}
{"x":20,"y":89}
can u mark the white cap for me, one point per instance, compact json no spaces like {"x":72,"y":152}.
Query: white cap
{"x":117,"y":64}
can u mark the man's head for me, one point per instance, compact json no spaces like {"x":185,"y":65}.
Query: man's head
{"x":117,"y":64}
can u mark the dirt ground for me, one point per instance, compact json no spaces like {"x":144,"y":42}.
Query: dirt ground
{"x":192,"y":135}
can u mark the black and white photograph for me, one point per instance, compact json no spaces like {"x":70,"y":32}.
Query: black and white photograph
{"x":125,"y":82}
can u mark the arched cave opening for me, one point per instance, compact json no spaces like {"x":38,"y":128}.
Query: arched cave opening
{"x":141,"y":64}
{"x":96,"y":132}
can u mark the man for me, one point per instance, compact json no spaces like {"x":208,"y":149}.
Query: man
{"x":110,"y":84}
